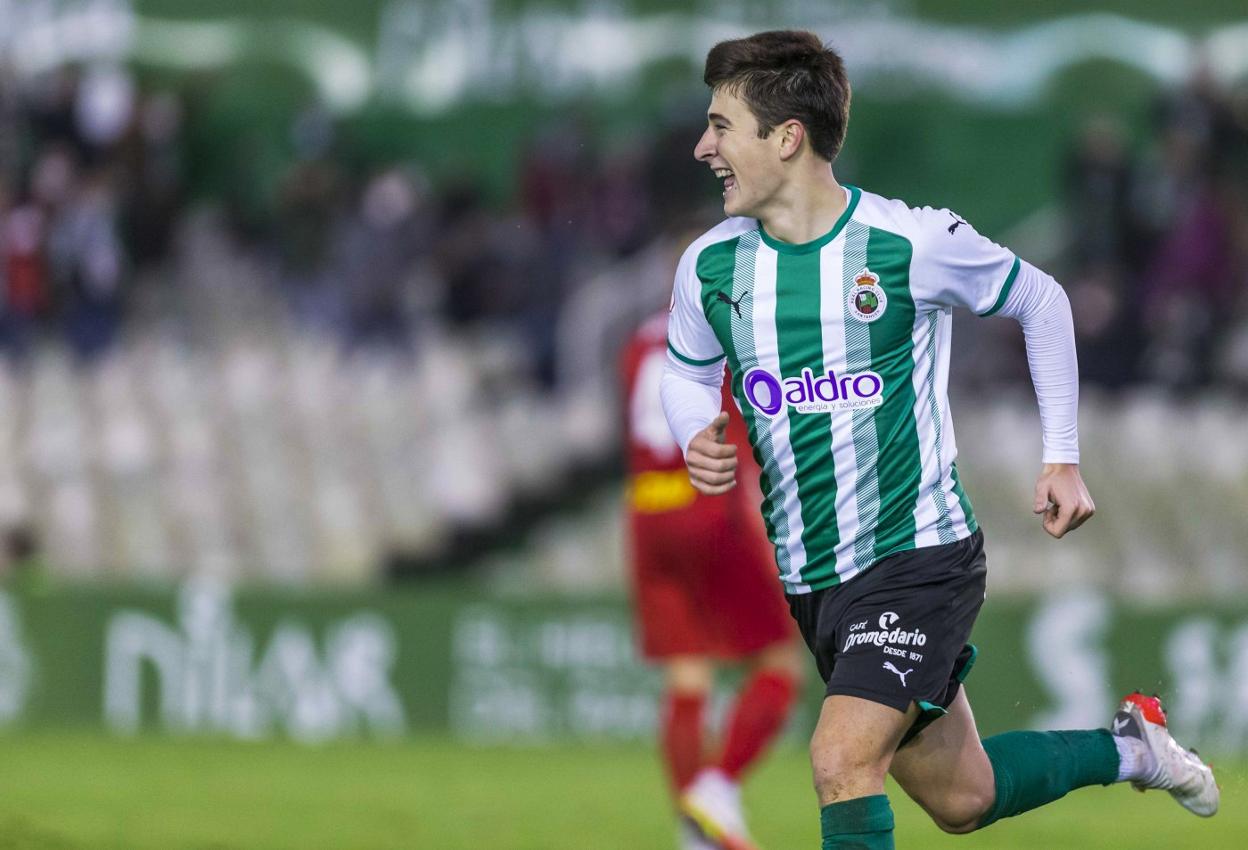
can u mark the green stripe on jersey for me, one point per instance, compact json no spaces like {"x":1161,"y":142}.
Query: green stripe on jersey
{"x":899,"y":465}
{"x":715,"y":271}
{"x":683,"y":359}
{"x":799,"y":339}
{"x":971,"y":523}
{"x":735,"y":327}
{"x":1005,"y":289}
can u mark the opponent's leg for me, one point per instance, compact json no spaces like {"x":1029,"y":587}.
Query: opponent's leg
{"x":850,"y":752}
{"x":713,"y":799}
{"x":687,"y":682}
{"x":761,"y":707}
{"x":709,"y":803}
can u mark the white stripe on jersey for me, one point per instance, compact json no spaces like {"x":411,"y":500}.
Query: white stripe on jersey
{"x":938,"y":514}
{"x":866,"y":440}
{"x":949,"y":453}
{"x":927,"y":510}
{"x":844,"y":454}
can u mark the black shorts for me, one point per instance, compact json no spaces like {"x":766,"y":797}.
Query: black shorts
{"x":897,"y":633}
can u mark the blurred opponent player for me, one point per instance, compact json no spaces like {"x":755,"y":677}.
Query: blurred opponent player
{"x":705,"y":590}
{"x":833,"y":308}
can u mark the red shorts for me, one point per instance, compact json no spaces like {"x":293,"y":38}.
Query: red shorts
{"x":705,"y":584}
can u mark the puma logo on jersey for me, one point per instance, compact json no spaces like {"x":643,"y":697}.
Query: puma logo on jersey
{"x":735,"y":305}
{"x":888,"y":665}
{"x":956,"y":222}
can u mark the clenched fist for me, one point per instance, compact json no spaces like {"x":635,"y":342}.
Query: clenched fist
{"x":712,"y":464}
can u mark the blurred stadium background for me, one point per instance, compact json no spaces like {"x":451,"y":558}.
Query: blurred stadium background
{"x":309,"y":427}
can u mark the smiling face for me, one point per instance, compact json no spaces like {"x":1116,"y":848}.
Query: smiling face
{"x":750,"y":167}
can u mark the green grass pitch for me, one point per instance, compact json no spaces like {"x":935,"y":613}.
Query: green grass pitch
{"x":66,"y":792}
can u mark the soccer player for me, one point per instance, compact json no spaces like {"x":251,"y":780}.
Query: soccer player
{"x":833,"y":308}
{"x":706,"y":595}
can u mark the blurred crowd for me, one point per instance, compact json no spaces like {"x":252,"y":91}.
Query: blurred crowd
{"x":507,"y":310}
{"x":313,"y":366}
{"x":94,"y":192}
{"x":1157,"y":259}
{"x":89,"y":188}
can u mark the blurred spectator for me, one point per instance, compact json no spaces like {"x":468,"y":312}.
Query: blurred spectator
{"x":12,"y":139}
{"x":104,"y":103}
{"x":380,"y":244}
{"x":309,"y":200}
{"x":1104,"y":244}
{"x":49,"y":110}
{"x":26,"y":295}
{"x":622,"y":212}
{"x":87,"y":264}
{"x":466,"y":258}
{"x":151,"y":157}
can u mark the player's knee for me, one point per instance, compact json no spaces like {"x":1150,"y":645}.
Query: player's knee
{"x":957,"y":826}
{"x":960,"y":812}
{"x":784,"y":658}
{"x":840,"y":773}
{"x":689,"y":675}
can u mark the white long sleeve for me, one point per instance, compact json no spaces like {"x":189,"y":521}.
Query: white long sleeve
{"x":690,"y":396}
{"x":1039,"y":304}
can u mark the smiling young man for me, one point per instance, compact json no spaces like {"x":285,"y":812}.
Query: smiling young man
{"x":833,"y":309}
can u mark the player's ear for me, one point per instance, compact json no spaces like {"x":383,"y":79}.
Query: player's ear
{"x":790,"y":133}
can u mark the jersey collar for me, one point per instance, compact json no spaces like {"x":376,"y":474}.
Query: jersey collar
{"x":815,"y":244}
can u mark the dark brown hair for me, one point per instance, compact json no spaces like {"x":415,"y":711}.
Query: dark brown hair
{"x":782,"y":75}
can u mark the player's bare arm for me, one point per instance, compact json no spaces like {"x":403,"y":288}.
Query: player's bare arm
{"x":1062,"y":499}
{"x":712,"y":463}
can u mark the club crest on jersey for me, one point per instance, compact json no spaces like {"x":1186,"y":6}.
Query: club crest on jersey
{"x":867,"y":299}
{"x":768,"y":394}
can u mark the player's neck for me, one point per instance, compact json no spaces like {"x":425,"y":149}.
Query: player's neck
{"x":806,"y":209}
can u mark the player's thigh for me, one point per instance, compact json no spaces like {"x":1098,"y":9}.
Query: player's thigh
{"x":946,"y":771}
{"x":853,"y":744}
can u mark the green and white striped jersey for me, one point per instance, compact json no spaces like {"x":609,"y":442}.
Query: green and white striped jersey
{"x":839,"y":351}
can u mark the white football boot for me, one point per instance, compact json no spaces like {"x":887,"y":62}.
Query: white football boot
{"x":712,"y":802}
{"x":1164,"y":764}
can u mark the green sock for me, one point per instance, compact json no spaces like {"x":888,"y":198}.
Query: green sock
{"x":1031,"y":769}
{"x":865,"y":823}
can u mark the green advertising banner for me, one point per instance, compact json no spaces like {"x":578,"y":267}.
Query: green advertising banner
{"x":260,"y":663}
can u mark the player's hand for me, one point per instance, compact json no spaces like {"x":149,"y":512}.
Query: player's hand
{"x":1062,"y":499}
{"x":712,"y":465}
